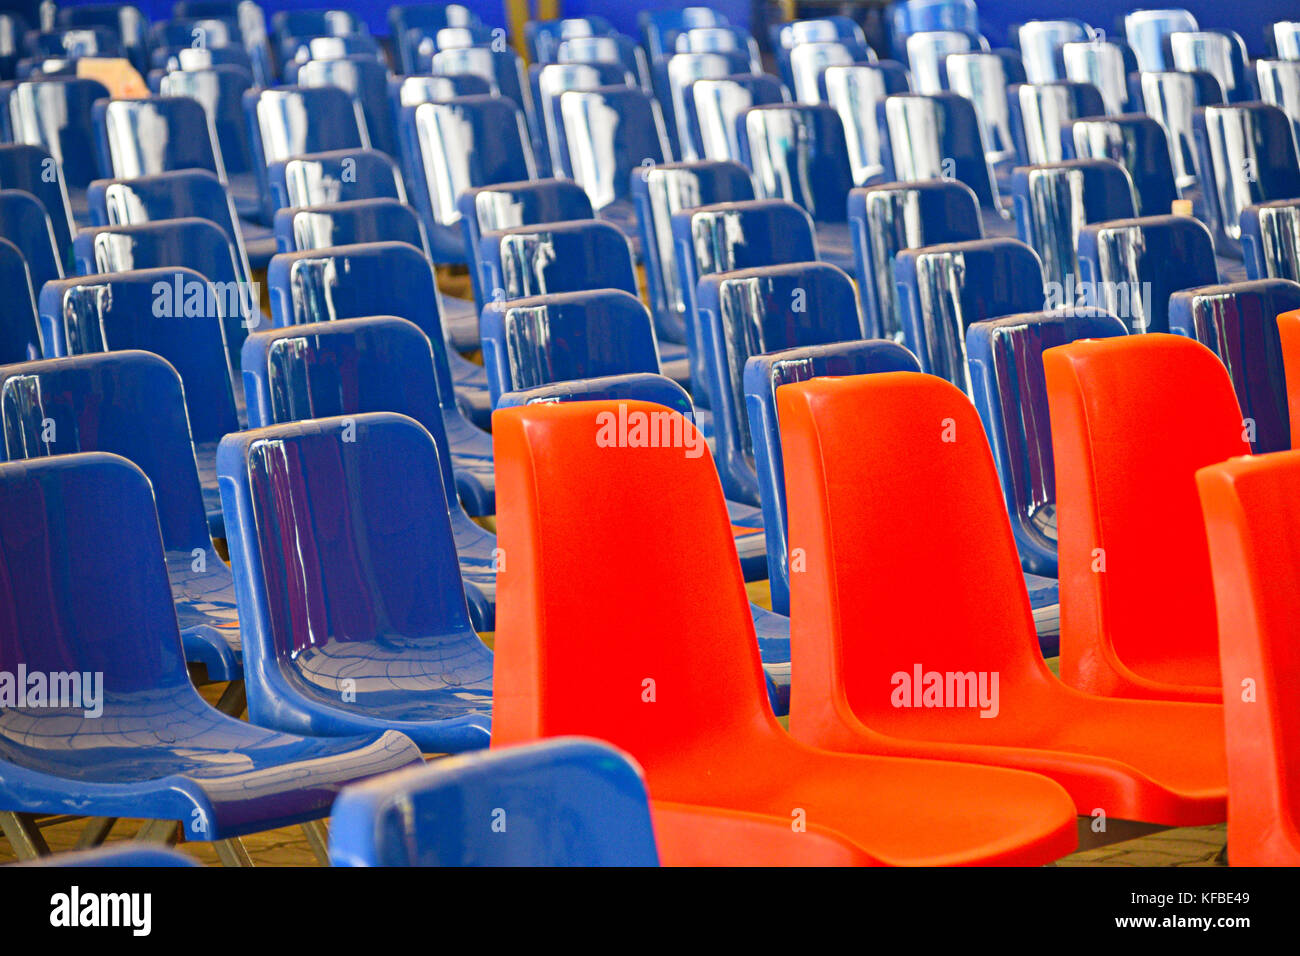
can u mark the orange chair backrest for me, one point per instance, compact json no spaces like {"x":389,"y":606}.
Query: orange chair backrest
{"x":909,"y":558}
{"x":1132,"y":420}
{"x":1252,"y":519}
{"x":622,"y":612}
{"x":1288,"y":327}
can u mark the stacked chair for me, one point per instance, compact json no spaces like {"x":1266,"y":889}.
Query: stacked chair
{"x":661,"y":405}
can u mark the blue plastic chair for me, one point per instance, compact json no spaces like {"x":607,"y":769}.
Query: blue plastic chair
{"x":763,"y":373}
{"x":132,"y":404}
{"x":347,"y":223}
{"x":1042,"y":42}
{"x":890,"y":217}
{"x":25,"y":222}
{"x":1105,"y":65}
{"x":33,"y":170}
{"x":456,"y":145}
{"x":20,"y":337}
{"x":1148,"y":31}
{"x":290,"y":121}
{"x":1052,"y":199}
{"x":751,"y":312}
{"x":1139,"y":144}
{"x":673,"y":76}
{"x":1040,"y":112}
{"x":1268,"y":239}
{"x":659,"y":193}
{"x":1171,"y":99}
{"x":353,"y":611}
{"x":730,"y":236}
{"x":408,"y":23}
{"x":1130,"y":267}
{"x":507,"y":205}
{"x":199,"y":244}
{"x":339,"y":175}
{"x":1238,"y":322}
{"x":560,"y":802}
{"x":555,"y":257}
{"x":772,"y":630}
{"x":155,"y":134}
{"x":350,"y":366}
{"x":608,"y":49}
{"x":1219,"y":52}
{"x":367,"y":80}
{"x":803,"y":68}
{"x":943,"y":289}
{"x":316,"y":23}
{"x":414,"y":90}
{"x":1006,"y":365}
{"x":713,"y":106}
{"x":145,"y":309}
{"x":124,"y":21}
{"x":387,"y":278}
{"x":548,"y":83}
{"x":659,"y":26}
{"x":55,"y":114}
{"x":545,"y":36}
{"x":798,"y":152}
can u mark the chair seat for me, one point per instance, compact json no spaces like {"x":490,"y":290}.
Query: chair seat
{"x":675,"y":362}
{"x":773,"y":633}
{"x":167,"y":755}
{"x":751,"y":543}
{"x":478,"y":557}
{"x":622,"y":213}
{"x":248,"y":201}
{"x":259,"y":243}
{"x":460,"y":323}
{"x":471,"y":460}
{"x":207,"y":614}
{"x":835,"y":246}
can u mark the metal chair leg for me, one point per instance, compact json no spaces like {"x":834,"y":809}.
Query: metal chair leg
{"x":318,"y":840}
{"x":232,"y":852}
{"x":233,"y":700}
{"x":166,"y":832}
{"x":96,"y":832}
{"x":24,"y":836}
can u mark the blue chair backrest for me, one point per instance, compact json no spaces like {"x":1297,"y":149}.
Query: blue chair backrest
{"x":657,"y":26}
{"x":556,"y":257}
{"x":336,"y":175}
{"x":346,"y":367}
{"x":609,"y":133}
{"x":316,"y":23}
{"x":612,"y":49}
{"x":1010,"y":391}
{"x":660,"y":192}
{"x":20,"y":338}
{"x":890,"y":217}
{"x":763,"y":375}
{"x":367,"y":80}
{"x":24,"y":221}
{"x":145,"y":309}
{"x":1053,"y":199}
{"x":798,"y":152}
{"x":1219,"y":52}
{"x":155,"y":134}
{"x":567,"y":802}
{"x":455,"y":145}
{"x":1147,"y":31}
{"x":714,"y":105}
{"x":1139,"y":144}
{"x":754,"y":311}
{"x":548,"y":83}
{"x":673,"y":76}
{"x":935,"y":137}
{"x":555,"y":338}
{"x":221,"y":90}
{"x":33,"y":170}
{"x":348,"y":223}
{"x":506,"y":205}
{"x":349,"y":282}
{"x":943,"y":289}
{"x":76,"y":615}
{"x":125,"y":403}
{"x":55,"y":114}
{"x":410,"y":23}
{"x":1040,"y":112}
{"x":1238,"y":322}
{"x":544,"y":36}
{"x":1270,"y":239}
{"x":1041,"y":43}
{"x":1130,"y":267}
{"x":414,"y":90}
{"x":635,"y":387}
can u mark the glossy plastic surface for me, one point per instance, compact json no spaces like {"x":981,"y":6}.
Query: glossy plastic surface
{"x":367,"y":80}
{"x":20,"y":337}
{"x":1148,"y":30}
{"x":560,"y":602}
{"x":25,"y":222}
{"x":798,"y":153}
{"x":1139,"y":144}
{"x":348,"y":223}
{"x":334,"y":176}
{"x":1132,"y":419}
{"x":713,"y":106}
{"x":1041,"y":111}
{"x":353,"y":612}
{"x":862,"y":650}
{"x":555,"y":257}
{"x":55,"y":114}
{"x":935,"y":137}
{"x":155,"y":134}
{"x":31,"y":169}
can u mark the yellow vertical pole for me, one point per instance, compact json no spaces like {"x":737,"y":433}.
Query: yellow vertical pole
{"x":516,"y":16}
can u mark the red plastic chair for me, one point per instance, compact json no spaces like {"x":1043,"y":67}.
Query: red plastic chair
{"x":1252,"y":519}
{"x":623,"y":616}
{"x":900,"y":460}
{"x":1288,"y":326}
{"x":1132,"y":420}
{"x":710,"y":836}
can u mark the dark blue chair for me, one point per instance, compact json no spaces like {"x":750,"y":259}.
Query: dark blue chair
{"x":855,"y":91}
{"x":25,"y":222}
{"x":346,"y":223}
{"x":414,"y":90}
{"x":730,"y":236}
{"x":1139,"y":144}
{"x":317,"y":23}
{"x":659,"y":27}
{"x":132,"y":404}
{"x":367,"y":80}
{"x":548,"y":83}
{"x":772,"y":630}
{"x":545,"y":36}
{"x":803,"y":67}
{"x":33,"y":170}
{"x":714,"y":105}
{"x":507,"y":205}
{"x":154,"y":134}
{"x":560,"y":802}
{"x":608,"y":49}
{"x":1238,"y":322}
{"x":1130,"y":267}
{"x":338,"y":175}
{"x":943,"y":289}
{"x":146,"y":309}
{"x":350,"y":366}
{"x":753,"y":311}
{"x":890,"y":217}
{"x":555,"y":257}
{"x":798,"y":153}
{"x":672,"y":77}
{"x":1269,"y":232}
{"x":1040,"y":112}
{"x":455,"y":145}
{"x":290,"y":121}
{"x":1006,"y":366}
{"x":77,"y":617}
{"x":763,"y":373}
{"x":387,"y":278}
{"x":20,"y":337}
{"x":409,"y":23}
{"x":55,"y":114}
{"x":353,"y":610}
{"x":123,"y":21}
{"x":1052,"y":200}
